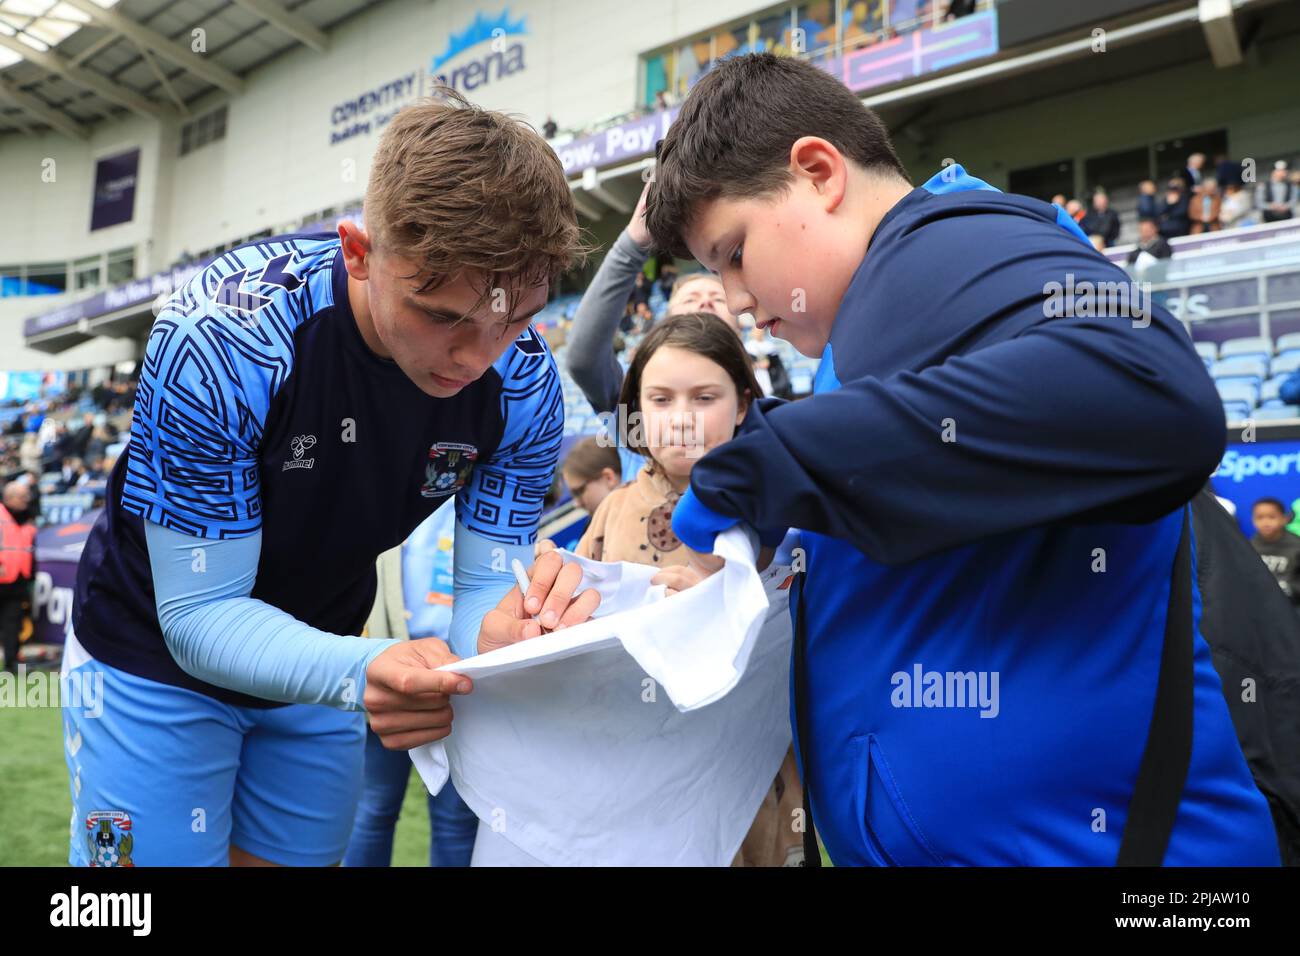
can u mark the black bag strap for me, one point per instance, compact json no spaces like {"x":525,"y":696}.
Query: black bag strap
{"x":1163,"y":771}
{"x":811,"y":854}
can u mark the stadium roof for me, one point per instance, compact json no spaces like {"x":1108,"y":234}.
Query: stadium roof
{"x":66,"y":64}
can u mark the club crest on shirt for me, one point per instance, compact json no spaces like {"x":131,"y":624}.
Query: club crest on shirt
{"x":108,"y":838}
{"x":448,"y":468}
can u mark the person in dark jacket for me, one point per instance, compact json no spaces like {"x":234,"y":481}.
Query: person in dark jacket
{"x":1149,"y":241}
{"x":953,"y":391}
{"x":1148,"y":203}
{"x":1101,"y":220}
{"x":1172,"y":214}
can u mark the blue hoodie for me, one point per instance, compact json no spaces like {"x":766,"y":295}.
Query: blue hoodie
{"x":988,"y":479}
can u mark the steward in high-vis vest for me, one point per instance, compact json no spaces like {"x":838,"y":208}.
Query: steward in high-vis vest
{"x":17,"y":545}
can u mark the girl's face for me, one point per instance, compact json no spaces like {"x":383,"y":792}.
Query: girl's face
{"x":689,"y":405}
{"x":589,"y":494}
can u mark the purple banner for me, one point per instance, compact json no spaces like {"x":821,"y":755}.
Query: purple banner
{"x":916,"y":53}
{"x":114,"y":201}
{"x":136,"y":292}
{"x":1222,"y":239}
{"x":623,"y":142}
{"x":140,"y":291}
{"x":58,"y":549}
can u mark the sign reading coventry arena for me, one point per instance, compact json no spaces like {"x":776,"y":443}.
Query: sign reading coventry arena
{"x":358,"y":116}
{"x":504,"y":57}
{"x":369,"y":111}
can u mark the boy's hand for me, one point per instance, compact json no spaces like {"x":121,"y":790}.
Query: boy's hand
{"x":542,"y":546}
{"x":686,"y":576}
{"x":550,"y":595}
{"x":407,"y":698}
{"x":636,"y":225}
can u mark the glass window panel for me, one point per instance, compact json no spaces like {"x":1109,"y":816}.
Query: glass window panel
{"x":47,"y":278}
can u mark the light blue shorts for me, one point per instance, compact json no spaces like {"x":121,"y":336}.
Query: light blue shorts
{"x":163,"y":776}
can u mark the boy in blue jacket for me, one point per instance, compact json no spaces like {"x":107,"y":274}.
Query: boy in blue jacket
{"x":988,"y":479}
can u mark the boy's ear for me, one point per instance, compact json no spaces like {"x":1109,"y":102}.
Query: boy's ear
{"x":818,"y":162}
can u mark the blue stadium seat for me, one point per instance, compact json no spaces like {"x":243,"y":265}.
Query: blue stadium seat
{"x":1240,"y":366}
{"x":1286,"y":364}
{"x":1238,"y":391}
{"x":1288,"y":343}
{"x":1236,"y":411}
{"x":1278,"y":411}
{"x":1254,"y":347}
{"x":1268,"y":392}
{"x":1207,"y":350}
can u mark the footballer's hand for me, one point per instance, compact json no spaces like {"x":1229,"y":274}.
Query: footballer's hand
{"x":408,"y":700}
{"x":552,"y":583}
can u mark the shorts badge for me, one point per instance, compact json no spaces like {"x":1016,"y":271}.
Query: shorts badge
{"x":109,"y":839}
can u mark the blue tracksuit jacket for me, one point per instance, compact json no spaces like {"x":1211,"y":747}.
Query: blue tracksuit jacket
{"x":989,"y":479}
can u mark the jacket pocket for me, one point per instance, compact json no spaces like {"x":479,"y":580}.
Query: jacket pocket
{"x":889,"y":829}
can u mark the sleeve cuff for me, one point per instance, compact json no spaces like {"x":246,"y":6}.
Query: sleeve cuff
{"x":697,"y":524}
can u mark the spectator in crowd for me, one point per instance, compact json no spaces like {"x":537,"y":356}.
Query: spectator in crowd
{"x":667,"y":276}
{"x":1226,"y":172}
{"x":768,"y":367}
{"x":641,"y":289}
{"x":1101,"y":219}
{"x":1098,"y":242}
{"x":1171,"y":216}
{"x":591,"y":471}
{"x":549,"y":129}
{"x":1194,"y":174}
{"x":1279,"y":548}
{"x":1205,"y":207}
{"x":1148,"y":204}
{"x":77,"y":444}
{"x":663,"y":100}
{"x":17,"y":554}
{"x":29,"y":454}
{"x":1076,"y":210}
{"x":1277,"y":197}
{"x":1059,"y":200}
{"x":70,"y":473}
{"x":1149,"y":242}
{"x":1237,"y":207}
{"x":959,"y":8}
{"x":644,"y":318}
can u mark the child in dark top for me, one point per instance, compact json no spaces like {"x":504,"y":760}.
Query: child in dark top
{"x":1279,"y":548}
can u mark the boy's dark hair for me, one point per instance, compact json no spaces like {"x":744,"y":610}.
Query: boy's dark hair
{"x":1270,"y":501}
{"x":733,"y":135}
{"x":704,"y":334}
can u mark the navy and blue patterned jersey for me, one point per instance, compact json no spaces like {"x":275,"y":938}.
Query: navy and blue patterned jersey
{"x":260,"y":406}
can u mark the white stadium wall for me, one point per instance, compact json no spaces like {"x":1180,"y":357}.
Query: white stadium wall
{"x":277,"y":164}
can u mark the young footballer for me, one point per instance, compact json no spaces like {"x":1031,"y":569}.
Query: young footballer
{"x":304,"y":403}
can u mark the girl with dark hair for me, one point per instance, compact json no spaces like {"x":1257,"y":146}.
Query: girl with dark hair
{"x":688,"y":389}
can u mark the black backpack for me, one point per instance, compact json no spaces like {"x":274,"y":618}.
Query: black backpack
{"x":1254,"y":635}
